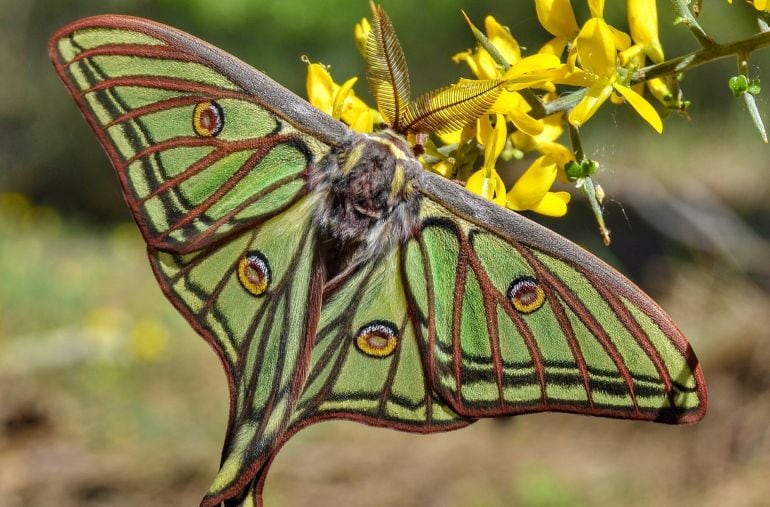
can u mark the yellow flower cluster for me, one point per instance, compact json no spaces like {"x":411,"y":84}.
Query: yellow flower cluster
{"x":594,"y":56}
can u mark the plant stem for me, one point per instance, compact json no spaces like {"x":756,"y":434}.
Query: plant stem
{"x":681,"y":7}
{"x":705,"y":55}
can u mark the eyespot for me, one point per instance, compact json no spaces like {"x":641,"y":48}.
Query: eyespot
{"x":254,"y":273}
{"x":526,"y":294}
{"x":208,"y":119}
{"x":378,"y":338}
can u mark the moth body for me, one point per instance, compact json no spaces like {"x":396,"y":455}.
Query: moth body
{"x":368,"y":199}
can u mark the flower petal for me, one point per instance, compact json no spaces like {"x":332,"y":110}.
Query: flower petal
{"x":361,"y":34}
{"x":553,"y":204}
{"x":596,"y":7}
{"x":642,"y":107}
{"x":595,"y":97}
{"x":643,"y":22}
{"x":502,"y":39}
{"x":489,"y":187}
{"x":525,"y":122}
{"x":341,"y":96}
{"x":320,"y":87}
{"x":554,"y":46}
{"x":596,"y":47}
{"x":532,"y":186}
{"x":557,"y":17}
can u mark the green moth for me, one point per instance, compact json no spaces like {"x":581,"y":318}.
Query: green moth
{"x":337,"y":279}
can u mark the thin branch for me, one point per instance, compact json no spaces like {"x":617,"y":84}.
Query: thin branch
{"x":682,"y":9}
{"x":696,"y":58}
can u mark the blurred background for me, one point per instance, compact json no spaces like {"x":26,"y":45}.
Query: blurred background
{"x":107,"y":398}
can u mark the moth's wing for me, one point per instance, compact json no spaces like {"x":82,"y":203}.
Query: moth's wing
{"x":381,"y":384}
{"x":263,"y":339}
{"x":213,"y":158}
{"x":366,"y":362}
{"x":204,"y":145}
{"x":516,"y":319}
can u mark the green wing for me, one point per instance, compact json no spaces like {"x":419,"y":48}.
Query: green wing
{"x":255,"y":298}
{"x":515,"y":319}
{"x":204,"y":145}
{"x":367,"y":362}
{"x":213,"y":158}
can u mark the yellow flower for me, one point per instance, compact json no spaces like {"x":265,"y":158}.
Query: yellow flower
{"x":558,"y":18}
{"x":361,"y":34}
{"x":486,"y":182}
{"x":643,"y":21}
{"x":481,"y":63}
{"x":546,"y":143}
{"x":597,"y":51}
{"x":532,"y":190}
{"x":338,"y":101}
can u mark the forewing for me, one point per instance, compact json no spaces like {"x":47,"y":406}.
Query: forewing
{"x":204,"y":145}
{"x":517,"y":320}
{"x":261,"y":327}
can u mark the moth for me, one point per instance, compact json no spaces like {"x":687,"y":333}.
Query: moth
{"x":335,"y":278}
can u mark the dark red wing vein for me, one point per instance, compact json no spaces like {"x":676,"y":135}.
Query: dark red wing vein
{"x":574,"y":346}
{"x":156,"y":51}
{"x":586,"y":317}
{"x":176,"y":142}
{"x":161,"y":105}
{"x":225,"y":279}
{"x":344,"y":330}
{"x":430,"y":291}
{"x":427,"y":356}
{"x":395,"y":360}
{"x":214,"y":227}
{"x":641,"y":338}
{"x":162,"y":83}
{"x":282,"y":291}
{"x":490,"y":307}
{"x":312,"y":315}
{"x":529,"y":340}
{"x":457,"y":303}
{"x":278,"y":368}
{"x":199,"y":166}
{"x":241,"y":173}
{"x":224,"y":148}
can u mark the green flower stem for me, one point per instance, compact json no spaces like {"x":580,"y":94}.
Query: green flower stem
{"x":563,"y":103}
{"x":682,"y":9}
{"x":589,"y":189}
{"x":577,"y":144}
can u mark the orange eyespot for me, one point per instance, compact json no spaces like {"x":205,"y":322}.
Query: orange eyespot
{"x":526,"y":294}
{"x":377,"y":339}
{"x":254,"y":273}
{"x":208,"y":119}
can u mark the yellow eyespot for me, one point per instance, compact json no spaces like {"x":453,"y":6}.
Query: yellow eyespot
{"x":526,"y":294}
{"x":254,"y":273}
{"x":377,"y":339}
{"x":208,"y":119}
